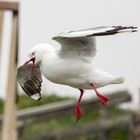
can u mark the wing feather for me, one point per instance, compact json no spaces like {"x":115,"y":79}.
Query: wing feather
{"x":82,"y":42}
{"x":97,"y":31}
{"x":31,"y":84}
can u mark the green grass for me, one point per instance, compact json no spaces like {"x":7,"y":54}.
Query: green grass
{"x":63,"y":123}
{"x":26,"y":102}
{"x":1,"y":106}
{"x":117,"y":134}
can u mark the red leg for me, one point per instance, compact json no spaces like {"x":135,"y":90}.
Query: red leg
{"x":104,"y":100}
{"x":78,"y":108}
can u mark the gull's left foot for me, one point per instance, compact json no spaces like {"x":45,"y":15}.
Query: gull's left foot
{"x":103,"y":99}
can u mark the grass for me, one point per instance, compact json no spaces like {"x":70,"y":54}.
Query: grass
{"x":1,"y":106}
{"x":26,"y":102}
{"x":117,"y":134}
{"x":63,"y":123}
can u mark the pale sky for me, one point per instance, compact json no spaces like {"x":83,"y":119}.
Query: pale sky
{"x":119,"y":55}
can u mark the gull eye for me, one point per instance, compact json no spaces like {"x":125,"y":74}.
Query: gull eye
{"x":33,"y":53}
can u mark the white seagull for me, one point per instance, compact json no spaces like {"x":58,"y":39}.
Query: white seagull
{"x":71,"y":65}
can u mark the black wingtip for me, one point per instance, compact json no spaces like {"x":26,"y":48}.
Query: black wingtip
{"x":134,"y":29}
{"x":120,"y":29}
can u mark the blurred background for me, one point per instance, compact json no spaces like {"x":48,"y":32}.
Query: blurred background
{"x":39,"y":21}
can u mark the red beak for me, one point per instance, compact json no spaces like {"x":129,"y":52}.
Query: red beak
{"x":33,"y":65}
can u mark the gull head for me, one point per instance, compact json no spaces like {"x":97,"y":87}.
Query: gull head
{"x":35,"y":55}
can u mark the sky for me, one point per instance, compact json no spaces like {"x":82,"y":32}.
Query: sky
{"x":40,"y":20}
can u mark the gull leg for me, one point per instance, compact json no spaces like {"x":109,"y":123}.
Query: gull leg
{"x":78,"y":108}
{"x":103,"y":99}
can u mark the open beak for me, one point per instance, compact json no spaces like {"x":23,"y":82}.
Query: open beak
{"x":33,"y":65}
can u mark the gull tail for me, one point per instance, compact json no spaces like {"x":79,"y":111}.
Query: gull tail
{"x":118,"y":80}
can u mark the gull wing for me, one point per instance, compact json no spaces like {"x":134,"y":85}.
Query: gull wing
{"x":83,"y":41}
{"x":31,"y":84}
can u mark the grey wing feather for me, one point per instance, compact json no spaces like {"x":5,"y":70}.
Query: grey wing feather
{"x":81,"y":47}
{"x":83,"y":43}
{"x":97,"y":31}
{"x":31,"y":84}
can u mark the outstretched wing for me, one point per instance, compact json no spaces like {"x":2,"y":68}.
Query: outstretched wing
{"x":83,"y":41}
{"x":97,"y":31}
{"x":31,"y":84}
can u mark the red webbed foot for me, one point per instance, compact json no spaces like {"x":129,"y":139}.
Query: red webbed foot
{"x":78,"y":112}
{"x":103,"y":99}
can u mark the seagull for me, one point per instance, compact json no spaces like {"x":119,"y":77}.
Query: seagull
{"x":70,"y":65}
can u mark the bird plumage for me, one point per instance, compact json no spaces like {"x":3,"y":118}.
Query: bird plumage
{"x":71,"y":65}
{"x":31,"y":84}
